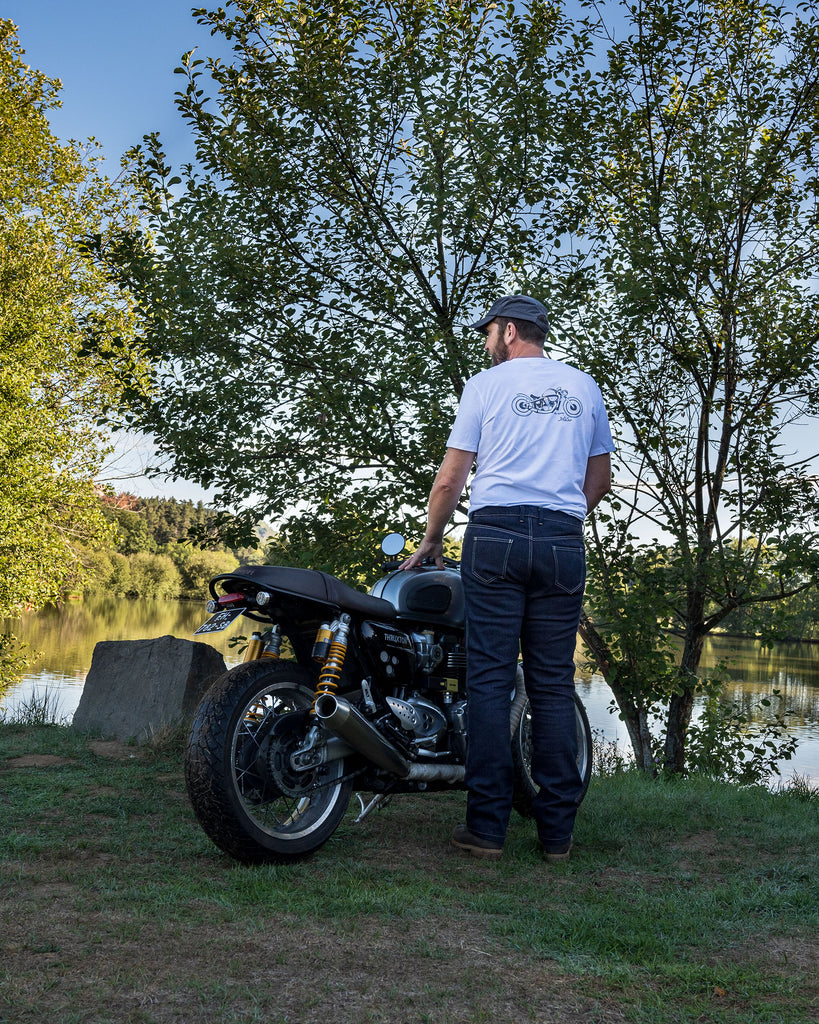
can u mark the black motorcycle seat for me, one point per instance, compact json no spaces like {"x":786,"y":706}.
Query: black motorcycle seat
{"x":313,"y":585}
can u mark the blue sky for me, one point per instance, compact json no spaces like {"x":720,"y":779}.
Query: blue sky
{"x":115,"y":61}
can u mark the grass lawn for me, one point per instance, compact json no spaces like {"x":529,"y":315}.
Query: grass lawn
{"x":687,"y":901}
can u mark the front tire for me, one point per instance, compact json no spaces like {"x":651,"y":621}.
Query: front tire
{"x":237,"y":766}
{"x":525,"y":789}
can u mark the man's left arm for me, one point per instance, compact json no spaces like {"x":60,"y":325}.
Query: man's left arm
{"x":598,"y":479}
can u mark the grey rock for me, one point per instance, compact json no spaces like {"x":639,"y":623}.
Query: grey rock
{"x":135,"y":688}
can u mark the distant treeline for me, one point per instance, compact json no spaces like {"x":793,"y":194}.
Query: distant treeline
{"x":166,"y":549}
{"x":160,"y":550}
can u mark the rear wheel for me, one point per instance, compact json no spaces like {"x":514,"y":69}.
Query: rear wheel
{"x":238,"y":771}
{"x":525,"y":788}
{"x":522,"y":404}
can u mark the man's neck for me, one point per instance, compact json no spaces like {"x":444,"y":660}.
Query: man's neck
{"x":525,"y":350}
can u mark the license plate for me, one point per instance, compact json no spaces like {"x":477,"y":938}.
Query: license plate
{"x":219,"y":621}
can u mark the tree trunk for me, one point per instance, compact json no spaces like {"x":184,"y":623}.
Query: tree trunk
{"x":676,"y":733}
{"x":634,"y":717}
{"x":681,"y":704}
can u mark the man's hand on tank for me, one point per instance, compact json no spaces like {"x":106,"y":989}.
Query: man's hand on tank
{"x":426,"y":549}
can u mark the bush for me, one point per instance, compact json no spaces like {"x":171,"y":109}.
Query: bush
{"x":153,"y":576}
{"x":738,"y":744}
{"x":120,"y":579}
{"x":99,"y":568}
{"x":182,"y":572}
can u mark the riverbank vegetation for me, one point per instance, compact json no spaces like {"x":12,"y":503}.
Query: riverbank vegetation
{"x":163,"y":548}
{"x":685,"y":901}
{"x":167,"y":548}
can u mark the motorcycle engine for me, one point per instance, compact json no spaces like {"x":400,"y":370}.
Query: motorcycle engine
{"x":420,"y":659}
{"x":428,"y":653}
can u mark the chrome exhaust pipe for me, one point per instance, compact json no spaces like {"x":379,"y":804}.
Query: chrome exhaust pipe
{"x":346,"y":721}
{"x":451,"y":773}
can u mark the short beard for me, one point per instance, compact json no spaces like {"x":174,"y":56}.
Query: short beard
{"x":500,"y":354}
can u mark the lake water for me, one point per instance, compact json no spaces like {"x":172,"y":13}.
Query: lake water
{"x":66,"y":636}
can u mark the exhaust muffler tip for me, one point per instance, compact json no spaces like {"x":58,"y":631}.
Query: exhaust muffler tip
{"x":341,"y":718}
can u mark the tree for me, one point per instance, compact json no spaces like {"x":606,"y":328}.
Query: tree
{"x":695,"y":152}
{"x":53,"y":301}
{"x":369,"y":179}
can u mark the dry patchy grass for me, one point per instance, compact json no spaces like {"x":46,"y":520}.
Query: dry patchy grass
{"x":115,"y":908}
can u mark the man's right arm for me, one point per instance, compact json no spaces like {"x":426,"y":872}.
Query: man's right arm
{"x":446,"y":491}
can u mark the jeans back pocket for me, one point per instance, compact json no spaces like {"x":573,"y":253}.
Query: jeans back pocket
{"x":490,"y":558}
{"x":570,"y":568}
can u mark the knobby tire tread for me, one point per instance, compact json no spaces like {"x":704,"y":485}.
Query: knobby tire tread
{"x":207,"y":767}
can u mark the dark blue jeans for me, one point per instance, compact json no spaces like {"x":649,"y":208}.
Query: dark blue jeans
{"x":524,"y":572}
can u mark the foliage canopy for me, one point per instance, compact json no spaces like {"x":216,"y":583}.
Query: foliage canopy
{"x":369,"y":178}
{"x":54,"y":301}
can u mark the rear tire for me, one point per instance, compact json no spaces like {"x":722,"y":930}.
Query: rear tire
{"x":525,"y":789}
{"x":246,"y":797}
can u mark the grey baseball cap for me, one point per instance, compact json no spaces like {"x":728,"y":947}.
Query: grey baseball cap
{"x":516,"y":307}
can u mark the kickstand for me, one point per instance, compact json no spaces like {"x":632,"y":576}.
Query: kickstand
{"x":378,"y":801}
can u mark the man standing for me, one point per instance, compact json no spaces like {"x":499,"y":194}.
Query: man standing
{"x":539,"y":431}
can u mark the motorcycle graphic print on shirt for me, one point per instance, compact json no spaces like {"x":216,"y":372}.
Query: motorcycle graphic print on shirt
{"x":553,"y":402}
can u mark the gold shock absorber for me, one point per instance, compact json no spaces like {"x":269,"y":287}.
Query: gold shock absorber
{"x":254,"y":647}
{"x":331,"y":672}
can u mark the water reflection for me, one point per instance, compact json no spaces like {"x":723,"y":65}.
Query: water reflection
{"x":67,"y":635}
{"x":754,"y":671}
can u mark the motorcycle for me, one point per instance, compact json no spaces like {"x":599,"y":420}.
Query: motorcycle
{"x":340,"y":691}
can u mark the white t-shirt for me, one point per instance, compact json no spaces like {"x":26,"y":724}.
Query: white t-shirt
{"x":534,"y":423}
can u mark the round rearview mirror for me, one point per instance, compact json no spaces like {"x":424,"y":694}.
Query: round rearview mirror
{"x":393,"y":544}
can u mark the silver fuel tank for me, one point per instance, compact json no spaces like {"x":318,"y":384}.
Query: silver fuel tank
{"x":424,"y":595}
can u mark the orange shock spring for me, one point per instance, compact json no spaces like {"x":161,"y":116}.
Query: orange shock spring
{"x":330,"y":674}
